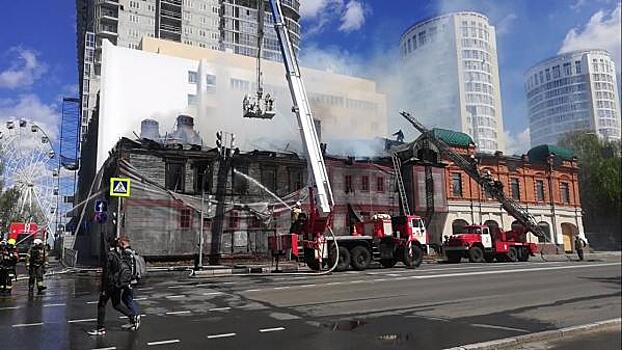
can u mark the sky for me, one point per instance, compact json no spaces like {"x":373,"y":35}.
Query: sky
{"x":38,"y":64}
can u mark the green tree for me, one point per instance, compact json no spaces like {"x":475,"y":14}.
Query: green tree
{"x":600,"y":188}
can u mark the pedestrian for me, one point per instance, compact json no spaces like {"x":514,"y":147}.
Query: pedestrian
{"x":115,"y":276}
{"x":130,"y":258}
{"x":295,"y":213}
{"x":36,"y":264}
{"x":579,"y":244}
{"x":8,"y":260}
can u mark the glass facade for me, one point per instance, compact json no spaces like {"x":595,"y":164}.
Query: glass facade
{"x":576,"y":91}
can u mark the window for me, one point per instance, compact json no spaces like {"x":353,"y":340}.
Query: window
{"x":565,"y":192}
{"x":556,"y":72}
{"x":380,"y":184}
{"x":192,"y":100}
{"x":202,"y":177}
{"x":185,"y":218}
{"x":567,"y":68}
{"x":240,"y":184}
{"x":422,"y":38}
{"x":540,"y":190}
{"x":193,"y":77}
{"x":547,"y":72}
{"x":234,"y":219}
{"x":365,"y":183}
{"x":515,"y":188}
{"x":175,"y":178}
{"x":456,"y":184}
{"x":268,"y":178}
{"x":348,"y":184}
{"x":577,"y":67}
{"x":211,"y":80}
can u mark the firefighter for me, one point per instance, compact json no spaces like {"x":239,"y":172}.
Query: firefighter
{"x":8,"y":261}
{"x":35,"y":264}
{"x":295,"y":215}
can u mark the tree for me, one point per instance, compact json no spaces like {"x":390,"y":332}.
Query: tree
{"x":599,"y":180}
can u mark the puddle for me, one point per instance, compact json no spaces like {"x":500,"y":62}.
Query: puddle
{"x":345,"y":325}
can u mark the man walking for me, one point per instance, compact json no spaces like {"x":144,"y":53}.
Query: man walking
{"x":579,"y":244}
{"x":35,"y":264}
{"x":129,"y":257}
{"x":115,"y":277}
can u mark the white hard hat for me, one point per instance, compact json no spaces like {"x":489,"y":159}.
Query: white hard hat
{"x":37,"y":241}
{"x":298,"y":203}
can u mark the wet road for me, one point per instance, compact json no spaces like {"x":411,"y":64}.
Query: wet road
{"x":433,"y":307}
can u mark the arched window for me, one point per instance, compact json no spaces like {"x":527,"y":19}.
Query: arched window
{"x":547,"y":231}
{"x":457,"y":225}
{"x":492,"y":225}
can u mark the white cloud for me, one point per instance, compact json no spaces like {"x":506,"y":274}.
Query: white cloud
{"x":24,"y":69}
{"x":601,"y":32}
{"x":353,"y":17}
{"x":517,"y":144}
{"x":578,"y":4}
{"x":505,"y":24}
{"x":31,"y":108}
{"x":310,"y":9}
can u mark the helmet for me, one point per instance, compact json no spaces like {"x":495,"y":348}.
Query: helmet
{"x":11,"y":241}
{"x":37,"y":241}
{"x":298,"y":203}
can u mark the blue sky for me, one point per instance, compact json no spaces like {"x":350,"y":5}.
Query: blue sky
{"x":38,"y":53}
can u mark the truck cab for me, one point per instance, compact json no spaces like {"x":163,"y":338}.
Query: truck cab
{"x":473,"y":241}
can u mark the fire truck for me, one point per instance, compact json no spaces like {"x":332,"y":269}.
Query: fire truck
{"x":479,"y":244}
{"x":24,"y":234}
{"x":476,"y":242}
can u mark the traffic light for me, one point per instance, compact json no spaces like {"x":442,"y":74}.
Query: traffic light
{"x":114,"y":218}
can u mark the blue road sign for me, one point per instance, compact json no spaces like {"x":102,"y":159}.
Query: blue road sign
{"x":101,"y":206}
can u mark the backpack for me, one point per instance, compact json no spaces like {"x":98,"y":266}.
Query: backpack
{"x":135,"y":262}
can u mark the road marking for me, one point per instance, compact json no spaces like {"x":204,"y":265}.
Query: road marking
{"x":306,"y":285}
{"x":139,"y":299}
{"x":83,"y":320}
{"x":175,"y":296}
{"x":93,"y":302}
{"x":9,"y":308}
{"x":476,"y":273}
{"x":53,"y":305}
{"x":124,"y":317}
{"x":279,"y":288}
{"x":27,"y":324}
{"x":220,"y":309}
{"x":499,"y":327}
{"x":213,"y":293}
{"x":163,"y":342}
{"x":146,"y":288}
{"x":178,"y":312}
{"x":177,"y":287}
{"x":275,"y":329}
{"x":223,"y":335}
{"x":110,"y":348}
{"x":252,"y":290}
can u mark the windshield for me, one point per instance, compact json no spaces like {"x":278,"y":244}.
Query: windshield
{"x":472,"y":229}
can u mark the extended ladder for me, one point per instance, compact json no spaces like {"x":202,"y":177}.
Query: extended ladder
{"x":397,"y":167}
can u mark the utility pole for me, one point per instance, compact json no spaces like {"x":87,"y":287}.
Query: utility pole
{"x":224,"y":164}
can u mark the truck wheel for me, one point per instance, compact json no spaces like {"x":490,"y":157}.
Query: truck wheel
{"x":489,"y":257}
{"x":344,"y":259}
{"x":361,"y":258}
{"x":310,"y":259}
{"x":388,"y":263}
{"x":524,"y":255}
{"x":512,"y":255}
{"x":416,"y":258}
{"x":453,"y":258}
{"x":476,"y":255}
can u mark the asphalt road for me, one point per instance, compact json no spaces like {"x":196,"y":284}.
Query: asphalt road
{"x":436,"y":306}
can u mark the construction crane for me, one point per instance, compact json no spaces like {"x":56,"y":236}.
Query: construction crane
{"x":491,"y":187}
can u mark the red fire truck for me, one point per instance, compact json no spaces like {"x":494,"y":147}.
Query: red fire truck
{"x":478,"y":244}
{"x":24,"y":234}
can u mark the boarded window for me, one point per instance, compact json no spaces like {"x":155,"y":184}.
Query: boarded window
{"x":175,"y":179}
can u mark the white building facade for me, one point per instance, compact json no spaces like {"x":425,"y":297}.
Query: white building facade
{"x":451,"y":76}
{"x":575,"y":91}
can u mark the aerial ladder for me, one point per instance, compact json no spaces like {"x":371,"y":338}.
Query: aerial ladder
{"x":486,"y":182}
{"x":321,"y":194}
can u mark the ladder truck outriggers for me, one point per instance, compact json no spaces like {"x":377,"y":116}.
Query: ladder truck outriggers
{"x":477,"y":242}
{"x":383,"y":238}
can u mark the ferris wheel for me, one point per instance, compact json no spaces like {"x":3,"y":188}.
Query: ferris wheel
{"x":29,"y":166}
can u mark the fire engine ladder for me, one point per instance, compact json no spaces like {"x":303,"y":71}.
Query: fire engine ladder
{"x":511,"y":206}
{"x":397,"y":167}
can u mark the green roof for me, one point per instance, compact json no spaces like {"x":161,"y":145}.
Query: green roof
{"x":542,"y":152}
{"x":453,"y":138}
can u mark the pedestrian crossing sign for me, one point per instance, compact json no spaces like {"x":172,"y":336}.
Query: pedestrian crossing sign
{"x":119,"y":187}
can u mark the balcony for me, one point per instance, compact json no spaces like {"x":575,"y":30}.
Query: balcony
{"x":172,"y":2}
{"x":171,"y":14}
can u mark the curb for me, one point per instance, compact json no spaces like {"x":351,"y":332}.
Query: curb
{"x":507,"y":343}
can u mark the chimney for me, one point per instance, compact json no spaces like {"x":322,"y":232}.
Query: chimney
{"x":150,"y":129}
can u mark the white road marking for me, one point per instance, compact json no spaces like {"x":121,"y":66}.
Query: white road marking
{"x":9,"y":308}
{"x":499,"y":327}
{"x":83,"y":320}
{"x":146,"y":288}
{"x":177,"y":287}
{"x":110,"y":348}
{"x":139,"y":299}
{"x":279,"y":288}
{"x":275,"y":329}
{"x":124,"y":317}
{"x":93,"y":302}
{"x":175,"y":296}
{"x":476,"y":273}
{"x":163,"y":342}
{"x":306,"y":285}
{"x":178,"y":312}
{"x":213,"y":293}
{"x":252,"y":290}
{"x":53,"y":305}
{"x":220,"y":309}
{"x":27,"y":324}
{"x":223,"y":335}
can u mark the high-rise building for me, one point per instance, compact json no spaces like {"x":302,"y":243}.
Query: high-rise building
{"x":227,"y":25}
{"x":574,"y":91}
{"x":451,"y":77}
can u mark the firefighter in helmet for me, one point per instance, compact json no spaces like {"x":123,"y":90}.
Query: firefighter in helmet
{"x":295,"y":218}
{"x":36,"y":263}
{"x":8,"y":260}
